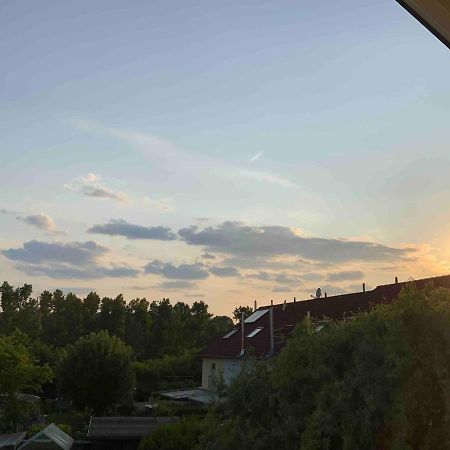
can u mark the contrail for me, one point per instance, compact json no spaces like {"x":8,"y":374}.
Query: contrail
{"x":257,"y":156}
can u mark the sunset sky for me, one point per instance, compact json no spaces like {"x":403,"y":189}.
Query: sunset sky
{"x":221,"y":150}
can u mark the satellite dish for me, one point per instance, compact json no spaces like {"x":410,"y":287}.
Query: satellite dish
{"x":318,"y":293}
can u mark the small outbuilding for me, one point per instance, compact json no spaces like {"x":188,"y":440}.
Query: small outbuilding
{"x":51,"y":437}
{"x":11,"y":441}
{"x":123,"y":433}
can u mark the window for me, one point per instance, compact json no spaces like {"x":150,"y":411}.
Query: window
{"x":229,"y":334}
{"x":254,"y":332}
{"x":255,"y":316}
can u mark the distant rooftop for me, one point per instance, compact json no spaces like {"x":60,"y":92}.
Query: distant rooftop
{"x":125,"y":427}
{"x":287,"y":315}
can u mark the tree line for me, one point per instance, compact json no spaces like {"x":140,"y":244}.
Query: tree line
{"x":96,"y":352}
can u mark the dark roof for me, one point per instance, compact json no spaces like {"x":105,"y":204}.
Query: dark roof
{"x":285,"y":316}
{"x":125,"y":427}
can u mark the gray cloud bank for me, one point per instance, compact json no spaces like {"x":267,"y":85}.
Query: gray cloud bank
{"x":194,"y":271}
{"x":234,"y":238}
{"x":130,"y":231}
{"x":71,"y":260}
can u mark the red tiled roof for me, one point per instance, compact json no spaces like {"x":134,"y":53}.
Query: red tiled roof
{"x":285,"y":316}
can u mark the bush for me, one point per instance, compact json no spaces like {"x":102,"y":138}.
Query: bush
{"x":179,"y":436}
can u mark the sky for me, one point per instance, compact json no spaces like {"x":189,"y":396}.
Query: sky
{"x":221,"y":151}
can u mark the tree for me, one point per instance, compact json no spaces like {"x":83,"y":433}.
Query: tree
{"x":238,"y":311}
{"x":19,"y":373}
{"x":112,"y":315}
{"x":138,"y":326}
{"x":20,"y":310}
{"x":96,"y":372}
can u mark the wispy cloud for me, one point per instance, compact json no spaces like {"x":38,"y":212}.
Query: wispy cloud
{"x":256,"y":157}
{"x":191,"y":162}
{"x":145,"y":141}
{"x":266,"y":177}
{"x":91,"y":186}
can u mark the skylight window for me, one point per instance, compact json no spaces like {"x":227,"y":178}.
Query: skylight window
{"x":230,"y":333}
{"x":255,"y":316}
{"x":254,"y":332}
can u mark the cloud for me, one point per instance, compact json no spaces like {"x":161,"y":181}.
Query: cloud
{"x":177,"y":285}
{"x":103,"y":192}
{"x":266,"y":177}
{"x":71,"y":260}
{"x":234,"y":238}
{"x":182,"y":272}
{"x":312,"y":276}
{"x":41,"y":221}
{"x":281,"y":278}
{"x":208,"y":256}
{"x":256,"y":157}
{"x":147,"y":141}
{"x":345,"y":275}
{"x":91,"y":186}
{"x":164,"y":204}
{"x":131,"y":231}
{"x":282,"y":289}
{"x":61,"y":271}
{"x":225,"y":272}
{"x":76,"y":253}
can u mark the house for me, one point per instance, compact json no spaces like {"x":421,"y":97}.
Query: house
{"x":264,"y":333}
{"x":123,"y":432}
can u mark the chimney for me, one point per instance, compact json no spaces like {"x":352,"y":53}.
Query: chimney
{"x":271,"y":302}
{"x":325,"y":295}
{"x":396,"y":280}
{"x":272,"y":344}
{"x":254,"y":309}
{"x":294,"y":299}
{"x":243,"y":334}
{"x":364,"y":287}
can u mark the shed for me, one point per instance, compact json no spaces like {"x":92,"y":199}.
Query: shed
{"x":51,"y":435}
{"x":11,"y":441}
{"x":123,"y":432}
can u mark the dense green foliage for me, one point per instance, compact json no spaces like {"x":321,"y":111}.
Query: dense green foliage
{"x":19,"y":374}
{"x":180,"y":436}
{"x":381,"y":381}
{"x":160,"y":339}
{"x":96,"y":373}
